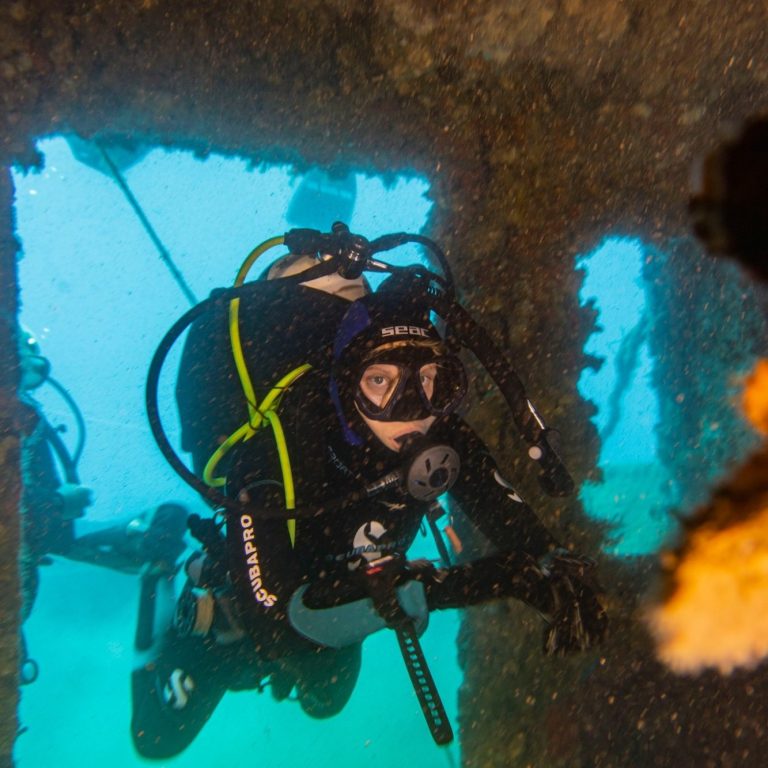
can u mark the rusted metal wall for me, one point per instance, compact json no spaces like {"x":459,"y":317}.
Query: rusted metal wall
{"x":10,"y":484}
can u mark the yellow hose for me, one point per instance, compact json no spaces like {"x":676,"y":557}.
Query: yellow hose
{"x":257,"y":412}
{"x":248,"y":429}
{"x":268,"y":403}
{"x":241,"y":433}
{"x":234,"y":325}
{"x":285,"y":468}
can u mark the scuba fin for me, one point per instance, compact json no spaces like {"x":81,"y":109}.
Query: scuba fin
{"x":162,"y":542}
{"x":157,"y":603}
{"x":145,"y":621}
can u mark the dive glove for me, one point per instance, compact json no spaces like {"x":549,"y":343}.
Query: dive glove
{"x":578,"y":619}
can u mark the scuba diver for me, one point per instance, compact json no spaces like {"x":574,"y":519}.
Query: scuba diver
{"x":53,"y":498}
{"x":323,"y":483}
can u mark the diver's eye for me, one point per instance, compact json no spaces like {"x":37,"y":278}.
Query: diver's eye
{"x":378,"y":382}
{"x":427,"y":376}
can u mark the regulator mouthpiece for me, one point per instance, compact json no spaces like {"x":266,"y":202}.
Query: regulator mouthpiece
{"x":429,"y":471}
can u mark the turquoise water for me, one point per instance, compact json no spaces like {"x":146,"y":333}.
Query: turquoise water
{"x":635,"y":494}
{"x":99,"y":299}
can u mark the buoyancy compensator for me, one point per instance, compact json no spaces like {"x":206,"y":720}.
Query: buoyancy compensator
{"x":242,"y":340}
{"x":283,"y":325}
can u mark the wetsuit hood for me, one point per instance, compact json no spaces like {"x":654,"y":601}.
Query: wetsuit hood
{"x":391,"y":327}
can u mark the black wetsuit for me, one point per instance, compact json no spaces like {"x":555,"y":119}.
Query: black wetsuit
{"x":329,"y":553}
{"x":334,"y":545}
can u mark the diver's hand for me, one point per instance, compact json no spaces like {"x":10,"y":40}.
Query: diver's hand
{"x":578,"y":620}
{"x":74,"y":499}
{"x":382,"y":578}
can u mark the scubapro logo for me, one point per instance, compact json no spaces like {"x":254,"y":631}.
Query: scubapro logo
{"x":366,"y":542}
{"x":251,"y":555}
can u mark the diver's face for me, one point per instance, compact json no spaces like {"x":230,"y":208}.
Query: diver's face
{"x":378,"y":384}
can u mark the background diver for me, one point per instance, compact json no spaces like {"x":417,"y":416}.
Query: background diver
{"x":53,"y":498}
{"x":309,"y":564}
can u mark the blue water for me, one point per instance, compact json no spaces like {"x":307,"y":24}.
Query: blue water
{"x":99,"y":299}
{"x":634,"y":494}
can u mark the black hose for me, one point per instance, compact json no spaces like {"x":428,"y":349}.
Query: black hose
{"x":165,"y":256}
{"x":445,"y":556}
{"x":151,"y":395}
{"x":388,"y":242}
{"x":554,"y":478}
{"x":341,"y":243}
{"x":54,"y":439}
{"x":78,"y":415}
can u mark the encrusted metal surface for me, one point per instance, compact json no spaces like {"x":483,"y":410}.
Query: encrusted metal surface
{"x":542,"y":126}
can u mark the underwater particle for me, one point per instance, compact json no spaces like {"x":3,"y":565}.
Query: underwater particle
{"x":517,"y":745}
{"x":714,"y":610}
{"x":17,"y":11}
{"x":717,"y":614}
{"x":755,"y":399}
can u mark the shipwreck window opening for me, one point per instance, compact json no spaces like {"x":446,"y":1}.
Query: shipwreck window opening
{"x":99,"y":297}
{"x":634,"y":494}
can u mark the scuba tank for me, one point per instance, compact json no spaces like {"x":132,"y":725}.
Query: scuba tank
{"x":282,"y":325}
{"x":211,"y":401}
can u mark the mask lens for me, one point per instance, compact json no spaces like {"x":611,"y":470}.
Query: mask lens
{"x":379,"y":383}
{"x":397,"y":391}
{"x":443,"y":383}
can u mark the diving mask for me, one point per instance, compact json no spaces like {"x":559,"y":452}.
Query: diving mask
{"x":407,"y":382}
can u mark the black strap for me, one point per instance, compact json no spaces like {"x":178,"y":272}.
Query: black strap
{"x":445,"y":556}
{"x":423,"y":684}
{"x":382,"y":579}
{"x":145,"y":622}
{"x":53,"y":438}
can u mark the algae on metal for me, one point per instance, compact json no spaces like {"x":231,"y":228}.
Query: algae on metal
{"x":10,"y":476}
